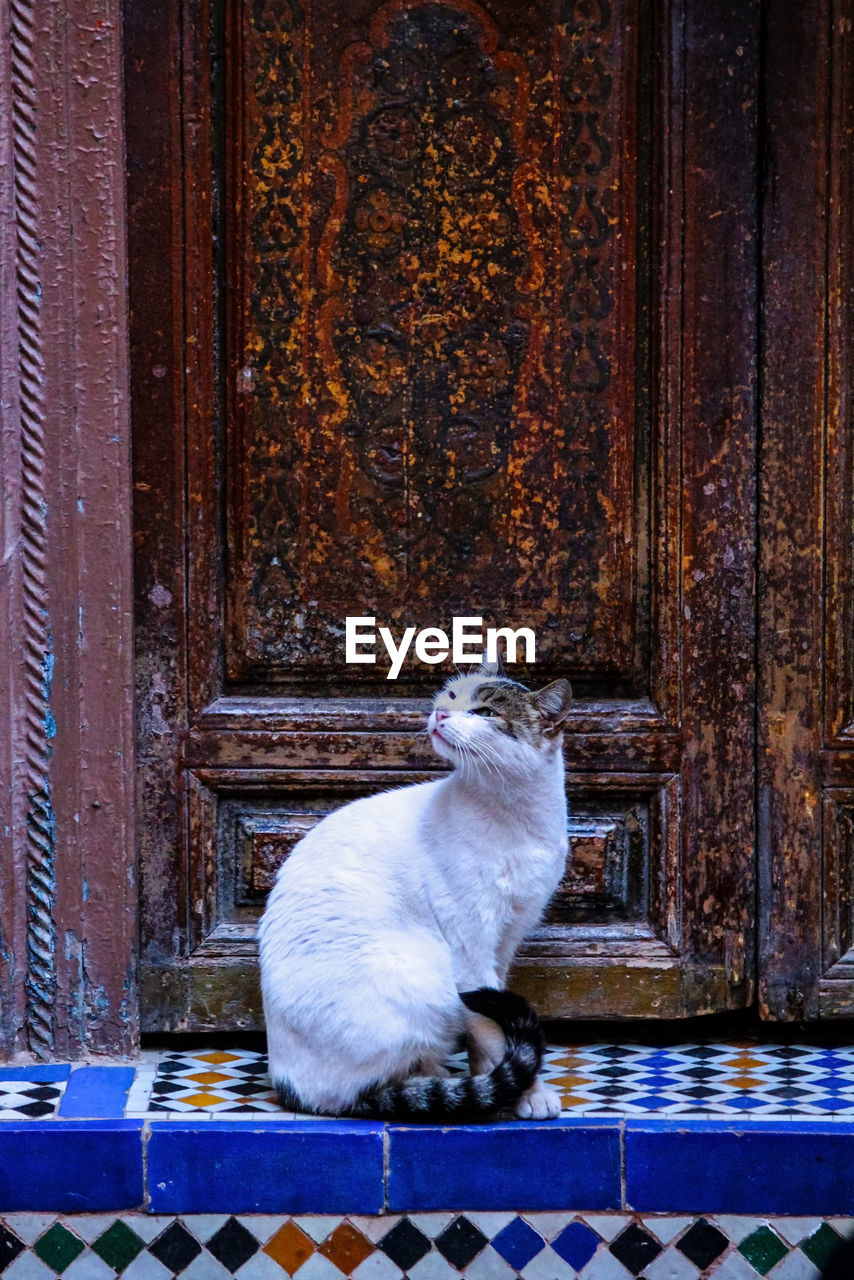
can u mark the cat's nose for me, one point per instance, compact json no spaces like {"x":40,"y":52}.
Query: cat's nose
{"x":441,"y":714}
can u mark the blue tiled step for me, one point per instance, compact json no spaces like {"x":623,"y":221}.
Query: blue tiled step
{"x":83,"y":1166}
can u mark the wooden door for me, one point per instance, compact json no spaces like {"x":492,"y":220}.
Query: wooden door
{"x":443,"y":309}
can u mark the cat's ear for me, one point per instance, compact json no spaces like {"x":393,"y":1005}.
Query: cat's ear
{"x":553,"y":703}
{"x":490,"y":667}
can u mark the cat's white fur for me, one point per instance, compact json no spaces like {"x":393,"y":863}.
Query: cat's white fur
{"x":395,"y":903}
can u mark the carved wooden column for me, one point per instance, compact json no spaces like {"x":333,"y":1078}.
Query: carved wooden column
{"x":67,"y":881}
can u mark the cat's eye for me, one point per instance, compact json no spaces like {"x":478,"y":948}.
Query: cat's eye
{"x":484,"y":711}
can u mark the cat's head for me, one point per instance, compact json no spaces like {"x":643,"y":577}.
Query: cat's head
{"x":484,"y":722}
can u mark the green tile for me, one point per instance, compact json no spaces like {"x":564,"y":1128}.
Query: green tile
{"x":763,"y":1249}
{"x":820,"y":1245}
{"x":58,"y":1247}
{"x":118,"y":1246}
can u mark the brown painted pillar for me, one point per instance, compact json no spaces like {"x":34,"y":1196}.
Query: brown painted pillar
{"x":67,"y":880}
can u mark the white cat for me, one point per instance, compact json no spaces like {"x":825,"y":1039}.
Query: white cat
{"x":392,"y":925}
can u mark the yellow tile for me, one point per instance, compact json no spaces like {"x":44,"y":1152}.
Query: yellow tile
{"x":745,"y":1062}
{"x":743,"y":1082}
{"x":202,"y":1099}
{"x":290,"y":1247}
{"x":208,"y":1077}
{"x":217,"y":1057}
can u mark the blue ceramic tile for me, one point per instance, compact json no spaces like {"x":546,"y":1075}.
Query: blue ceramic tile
{"x":518,"y":1243}
{"x":240,"y":1167}
{"x":44,"y":1073}
{"x":505,"y":1166}
{"x":576,"y":1244}
{"x":96,"y":1092}
{"x":70,"y":1167}
{"x":719,"y":1167}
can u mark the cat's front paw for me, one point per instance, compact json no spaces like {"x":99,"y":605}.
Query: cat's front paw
{"x":541,"y":1102}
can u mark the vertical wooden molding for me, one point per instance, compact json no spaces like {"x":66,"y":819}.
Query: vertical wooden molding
{"x":36,"y":637}
{"x":68,"y":887}
{"x":797,"y":166}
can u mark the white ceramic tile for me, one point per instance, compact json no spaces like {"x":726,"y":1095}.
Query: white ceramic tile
{"x":205,"y":1267}
{"x":88,"y":1226}
{"x":604,"y":1266}
{"x":548,"y":1266}
{"x":432,"y":1224}
{"x":146,"y":1267}
{"x":735,"y":1267}
{"x":317,"y":1268}
{"x":489,"y":1265}
{"x":549,"y":1225}
{"x":376,"y":1228}
{"x":204,"y":1225}
{"x":671,"y":1265}
{"x":606,"y":1225}
{"x":793,"y":1230}
{"x":432,"y":1267}
{"x":28,"y":1267}
{"x":377,"y":1267}
{"x":263,"y":1226}
{"x":796,"y":1266}
{"x":29,"y":1226}
{"x":148,"y":1228}
{"x":735,"y":1227}
{"x":667,"y":1228}
{"x":490,"y":1223}
{"x":318,"y":1225}
{"x":260,"y":1267}
{"x":88,"y":1266}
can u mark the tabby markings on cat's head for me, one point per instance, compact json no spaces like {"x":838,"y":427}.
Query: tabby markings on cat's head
{"x":490,"y":723}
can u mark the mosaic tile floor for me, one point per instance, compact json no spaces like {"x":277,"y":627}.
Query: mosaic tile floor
{"x":693,"y":1081}
{"x":745,"y":1080}
{"x":429,"y":1246}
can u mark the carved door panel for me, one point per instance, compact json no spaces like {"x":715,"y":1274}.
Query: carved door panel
{"x":445,"y":310}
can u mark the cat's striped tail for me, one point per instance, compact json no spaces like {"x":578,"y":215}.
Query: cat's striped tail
{"x":467,"y":1099}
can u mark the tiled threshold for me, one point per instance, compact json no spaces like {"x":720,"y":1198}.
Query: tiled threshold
{"x":698,"y":1133}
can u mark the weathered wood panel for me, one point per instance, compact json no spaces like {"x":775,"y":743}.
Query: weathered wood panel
{"x":718,"y":256}
{"x":806,"y":597}
{"x":432,"y":371}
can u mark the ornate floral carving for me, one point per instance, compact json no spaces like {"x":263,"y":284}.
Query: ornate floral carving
{"x":431,"y":324}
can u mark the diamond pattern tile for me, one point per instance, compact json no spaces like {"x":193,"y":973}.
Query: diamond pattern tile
{"x":702,"y":1244}
{"x":405,"y":1244}
{"x":232,"y":1245}
{"x":24,"y":1098}
{"x":763,"y":1249}
{"x":461,"y":1242}
{"x":438,"y":1246}
{"x":635,"y":1248}
{"x":118,"y":1246}
{"x":10,"y":1247}
{"x":58,"y":1247}
{"x":176,"y":1248}
{"x":346,"y":1247}
{"x":518,"y":1243}
{"x":750,"y":1081}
